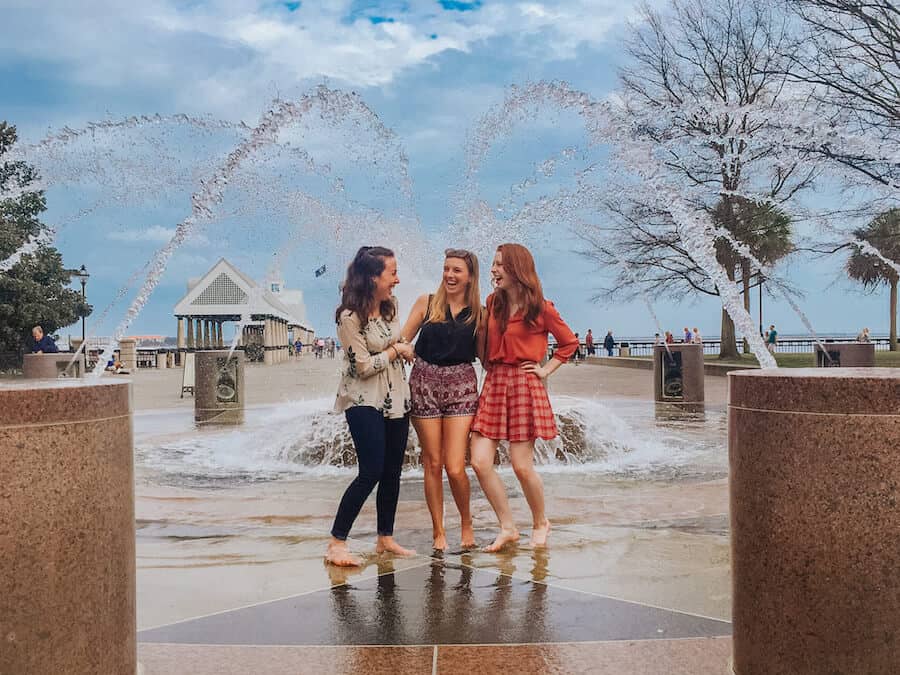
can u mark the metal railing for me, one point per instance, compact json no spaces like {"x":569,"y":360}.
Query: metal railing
{"x":712,"y":347}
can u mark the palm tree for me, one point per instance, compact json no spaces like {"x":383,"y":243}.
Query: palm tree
{"x":766,"y":230}
{"x":871,"y":271}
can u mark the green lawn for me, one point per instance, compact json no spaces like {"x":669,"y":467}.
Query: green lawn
{"x":805,"y":360}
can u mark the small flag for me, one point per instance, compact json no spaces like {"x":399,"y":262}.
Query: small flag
{"x":320,"y":271}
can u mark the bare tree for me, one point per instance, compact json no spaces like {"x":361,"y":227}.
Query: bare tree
{"x":849,"y":55}
{"x":705,"y":84}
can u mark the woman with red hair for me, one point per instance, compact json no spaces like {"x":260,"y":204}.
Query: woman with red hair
{"x":514,"y":405}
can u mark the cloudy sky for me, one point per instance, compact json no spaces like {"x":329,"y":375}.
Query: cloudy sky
{"x":428,"y":69}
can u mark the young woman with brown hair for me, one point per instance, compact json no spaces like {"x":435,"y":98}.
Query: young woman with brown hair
{"x":373,"y":395}
{"x":444,"y":387}
{"x":514,"y":405}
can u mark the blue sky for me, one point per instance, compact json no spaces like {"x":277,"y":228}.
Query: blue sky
{"x":428,"y":69}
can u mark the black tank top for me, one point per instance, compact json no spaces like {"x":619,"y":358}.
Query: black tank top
{"x":448,"y":343}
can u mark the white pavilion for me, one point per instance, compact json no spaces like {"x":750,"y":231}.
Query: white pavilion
{"x":224,"y":293}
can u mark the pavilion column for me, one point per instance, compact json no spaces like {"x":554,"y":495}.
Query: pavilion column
{"x":282,"y":342}
{"x":198,"y":339}
{"x":267,"y":342}
{"x":220,"y":341}
{"x":190,"y":332}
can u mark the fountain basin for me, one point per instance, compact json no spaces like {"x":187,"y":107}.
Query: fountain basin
{"x":814,"y":492}
{"x":67,"y":538}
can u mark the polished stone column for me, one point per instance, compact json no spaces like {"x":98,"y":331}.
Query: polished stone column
{"x":678,"y":375}
{"x":815,"y":519}
{"x":128,"y":353}
{"x":846,"y":355}
{"x":67,"y":539}
{"x":219,"y":388}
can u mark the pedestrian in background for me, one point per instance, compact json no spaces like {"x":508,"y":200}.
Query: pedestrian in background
{"x":589,"y":343}
{"x":609,"y":343}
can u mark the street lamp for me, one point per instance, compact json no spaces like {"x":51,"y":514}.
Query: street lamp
{"x":83,"y":277}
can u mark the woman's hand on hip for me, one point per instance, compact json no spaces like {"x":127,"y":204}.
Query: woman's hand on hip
{"x":532,"y":367}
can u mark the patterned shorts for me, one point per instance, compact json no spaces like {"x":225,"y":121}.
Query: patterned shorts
{"x":443,"y":391}
{"x":514,"y":406}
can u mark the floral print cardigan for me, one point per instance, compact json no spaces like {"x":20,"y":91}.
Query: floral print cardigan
{"x":368,"y":376}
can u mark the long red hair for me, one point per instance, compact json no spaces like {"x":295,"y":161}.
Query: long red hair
{"x":519,"y":264}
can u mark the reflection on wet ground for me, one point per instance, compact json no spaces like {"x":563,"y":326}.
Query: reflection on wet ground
{"x":440,"y":602}
{"x":637,"y":571}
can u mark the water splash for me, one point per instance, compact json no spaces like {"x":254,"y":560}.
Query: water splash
{"x":332,"y":105}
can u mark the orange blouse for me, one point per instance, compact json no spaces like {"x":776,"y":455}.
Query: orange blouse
{"x":521,"y":342}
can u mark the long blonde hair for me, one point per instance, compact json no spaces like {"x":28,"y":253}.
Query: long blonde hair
{"x":437,"y":308}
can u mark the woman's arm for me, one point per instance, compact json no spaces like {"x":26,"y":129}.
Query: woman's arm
{"x":566,"y":342}
{"x":415,"y":320}
{"x":363,"y":365}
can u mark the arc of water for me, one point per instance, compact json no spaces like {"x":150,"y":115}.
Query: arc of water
{"x":602,"y":124}
{"x":202,"y":202}
{"x":335,"y":104}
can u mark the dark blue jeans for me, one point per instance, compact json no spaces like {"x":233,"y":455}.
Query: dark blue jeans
{"x":380,"y":447}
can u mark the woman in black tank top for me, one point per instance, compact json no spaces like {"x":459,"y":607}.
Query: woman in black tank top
{"x":444,"y":387}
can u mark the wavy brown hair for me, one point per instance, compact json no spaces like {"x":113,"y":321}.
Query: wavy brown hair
{"x":437,"y":308}
{"x":519,"y":264}
{"x":358,"y":289}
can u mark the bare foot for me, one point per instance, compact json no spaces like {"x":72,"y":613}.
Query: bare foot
{"x":503,"y":538}
{"x":338,"y":554}
{"x":539,"y":535}
{"x":440,"y":542}
{"x":388,"y":545}
{"x":467,"y":538}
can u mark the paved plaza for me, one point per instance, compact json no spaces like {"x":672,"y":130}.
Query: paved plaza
{"x":231,"y":578}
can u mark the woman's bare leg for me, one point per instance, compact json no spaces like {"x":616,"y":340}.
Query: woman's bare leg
{"x":430,"y":438}
{"x":483,"y":451}
{"x":455,"y":443}
{"x":522,"y":456}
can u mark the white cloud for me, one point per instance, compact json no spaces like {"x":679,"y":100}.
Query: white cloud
{"x":155,"y":234}
{"x":230,"y":50}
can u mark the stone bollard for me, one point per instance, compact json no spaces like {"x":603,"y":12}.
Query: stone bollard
{"x":51,"y":366}
{"x":678,"y":373}
{"x":128,"y":353}
{"x":219,"y":388}
{"x":67,"y":538}
{"x":846,"y":355}
{"x":161,"y":360}
{"x":815,"y":516}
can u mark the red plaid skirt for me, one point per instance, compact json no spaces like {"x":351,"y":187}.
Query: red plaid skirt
{"x":514,"y":406}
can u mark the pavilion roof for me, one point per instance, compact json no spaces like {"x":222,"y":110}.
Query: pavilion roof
{"x":225,"y":292}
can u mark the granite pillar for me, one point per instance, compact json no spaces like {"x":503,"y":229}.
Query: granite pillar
{"x":678,"y":373}
{"x":128,"y":353}
{"x":815,"y":488}
{"x":846,"y":355}
{"x":43,"y":366}
{"x":67,"y":538}
{"x":219,"y":388}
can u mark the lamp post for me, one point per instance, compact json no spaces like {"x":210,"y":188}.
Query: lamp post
{"x":761,"y":279}
{"x":83,"y":277}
